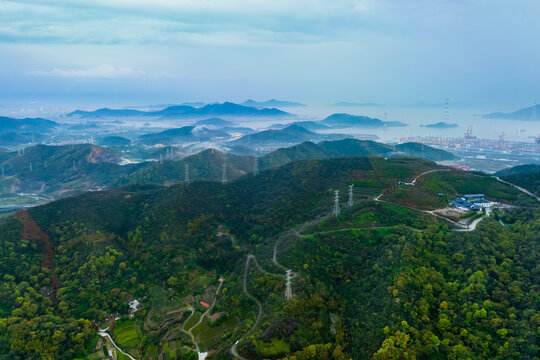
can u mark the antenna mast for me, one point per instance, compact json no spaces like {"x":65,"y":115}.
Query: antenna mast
{"x":336,"y":211}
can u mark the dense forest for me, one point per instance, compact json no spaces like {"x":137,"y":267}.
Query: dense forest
{"x":386,"y":279}
{"x":526,"y":176}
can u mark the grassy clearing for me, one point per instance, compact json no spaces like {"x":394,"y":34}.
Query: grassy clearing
{"x":192,"y":320}
{"x":273,"y":348}
{"x":210,"y":335}
{"x":161,"y":305}
{"x":127,"y":334}
{"x":374,"y":214}
{"x":471,"y":183}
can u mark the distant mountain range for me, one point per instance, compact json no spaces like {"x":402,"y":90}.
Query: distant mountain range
{"x":183,"y":135}
{"x":59,"y":171}
{"x":12,"y":138}
{"x":208,"y":164}
{"x":26,"y":125}
{"x":347,"y":120}
{"x":113,"y":141}
{"x":527,"y":114}
{"x":216,"y":122}
{"x":441,"y":125}
{"x":351,"y":147}
{"x":340,"y":121}
{"x":289,"y":135}
{"x":272,"y":103}
{"x":310,"y":125}
{"x":358,"y":104}
{"x":183,"y":112}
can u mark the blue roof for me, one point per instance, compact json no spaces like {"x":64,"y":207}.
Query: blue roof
{"x":474,"y":195}
{"x":459,"y":202}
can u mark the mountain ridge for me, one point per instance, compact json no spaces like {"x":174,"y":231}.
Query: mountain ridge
{"x":183,"y":111}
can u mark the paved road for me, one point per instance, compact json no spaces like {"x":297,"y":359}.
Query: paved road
{"x":472,"y":225}
{"x":413,"y":182}
{"x":525,"y":191}
{"x":104,"y":333}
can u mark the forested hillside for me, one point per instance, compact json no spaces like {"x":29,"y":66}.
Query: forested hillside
{"x":383,"y":280}
{"x":526,"y":176}
{"x":59,"y":171}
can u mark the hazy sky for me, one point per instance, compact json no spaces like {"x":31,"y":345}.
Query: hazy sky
{"x":123,"y":52}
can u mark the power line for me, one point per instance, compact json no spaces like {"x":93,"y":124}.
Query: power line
{"x":350,"y":202}
{"x":186,"y":176}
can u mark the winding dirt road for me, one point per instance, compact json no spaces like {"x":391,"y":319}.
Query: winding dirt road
{"x":252,"y":298}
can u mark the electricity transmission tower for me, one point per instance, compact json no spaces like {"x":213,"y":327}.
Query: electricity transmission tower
{"x":336,"y":211}
{"x":224,"y":174}
{"x":255,"y":166}
{"x":186,"y":176}
{"x":446,"y":113}
{"x":288,"y":291}
{"x":350,"y":202}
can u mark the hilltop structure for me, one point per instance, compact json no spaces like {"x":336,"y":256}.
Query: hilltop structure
{"x":474,"y":202}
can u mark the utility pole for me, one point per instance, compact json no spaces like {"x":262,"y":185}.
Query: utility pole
{"x":30,"y":166}
{"x":288,"y":291}
{"x":3,"y":171}
{"x":224,"y":174}
{"x":186,"y":176}
{"x":336,"y":211}
{"x":350,"y":202}
{"x":161,"y":158}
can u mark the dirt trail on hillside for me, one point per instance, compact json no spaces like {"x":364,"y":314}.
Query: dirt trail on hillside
{"x":32,"y":232}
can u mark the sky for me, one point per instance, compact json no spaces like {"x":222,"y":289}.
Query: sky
{"x":401,"y":52}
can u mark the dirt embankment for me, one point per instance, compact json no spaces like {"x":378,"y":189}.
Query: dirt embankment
{"x":32,"y":232}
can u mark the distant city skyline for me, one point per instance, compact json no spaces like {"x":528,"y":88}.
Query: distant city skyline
{"x":393,"y":52}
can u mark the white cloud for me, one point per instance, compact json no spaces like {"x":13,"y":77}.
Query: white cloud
{"x":99,"y":72}
{"x":177,"y":22}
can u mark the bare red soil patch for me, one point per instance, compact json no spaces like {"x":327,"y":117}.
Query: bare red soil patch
{"x":32,"y":232}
